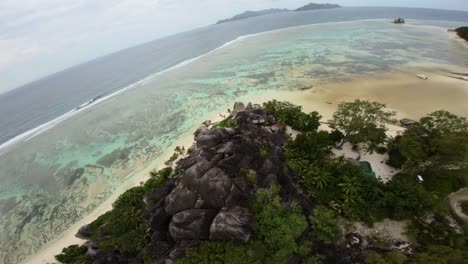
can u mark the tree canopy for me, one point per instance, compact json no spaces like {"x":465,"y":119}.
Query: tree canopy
{"x":362,"y":122}
{"x":292,"y":115}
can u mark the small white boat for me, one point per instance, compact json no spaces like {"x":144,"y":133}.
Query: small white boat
{"x":422,"y":76}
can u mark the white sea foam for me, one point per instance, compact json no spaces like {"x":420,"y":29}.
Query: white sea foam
{"x":28,"y":135}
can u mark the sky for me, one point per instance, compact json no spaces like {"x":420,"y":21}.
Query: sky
{"x":40,"y":37}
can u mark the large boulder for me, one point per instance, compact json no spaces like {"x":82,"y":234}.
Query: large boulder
{"x":214,"y":187}
{"x":84,"y":232}
{"x":212,"y":137}
{"x":192,"y":224}
{"x":179,"y":200}
{"x":232,"y":224}
{"x":238,"y":107}
{"x":157,"y":194}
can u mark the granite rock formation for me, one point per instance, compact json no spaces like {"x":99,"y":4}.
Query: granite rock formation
{"x":208,"y":199}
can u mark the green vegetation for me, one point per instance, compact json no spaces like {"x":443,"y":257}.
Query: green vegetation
{"x":436,"y":148}
{"x":462,"y":32}
{"x":276,"y":231}
{"x":392,"y":257}
{"x":439,"y":254}
{"x":324,"y":225}
{"x":221,"y":252}
{"x":362,"y":123}
{"x":228,"y":122}
{"x":73,"y":254}
{"x":124,"y":223}
{"x":250,"y":175}
{"x":173,"y":158}
{"x":277,"y":226}
{"x":292,"y":115}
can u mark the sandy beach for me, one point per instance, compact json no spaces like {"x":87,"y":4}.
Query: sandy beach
{"x":400,"y":89}
{"x":453,"y":35}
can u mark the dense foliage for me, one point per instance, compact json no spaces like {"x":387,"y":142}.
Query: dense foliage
{"x":292,"y":115}
{"x":392,"y":257}
{"x":324,"y":225}
{"x":363,"y":123}
{"x":227,"y":122}
{"x":462,"y":32}
{"x":222,"y":252}
{"x":124,"y":224}
{"x":277,"y":226}
{"x":73,"y":255}
{"x":435,"y":148}
{"x":276,"y":231}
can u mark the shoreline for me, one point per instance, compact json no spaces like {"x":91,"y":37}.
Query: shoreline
{"x":422,"y":97}
{"x":9,"y":145}
{"x":454,"y":36}
{"x":47,"y":254}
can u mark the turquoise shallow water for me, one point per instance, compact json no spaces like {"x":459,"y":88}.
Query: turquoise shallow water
{"x":58,"y":177}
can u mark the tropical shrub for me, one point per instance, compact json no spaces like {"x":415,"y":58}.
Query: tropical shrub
{"x":73,"y":254}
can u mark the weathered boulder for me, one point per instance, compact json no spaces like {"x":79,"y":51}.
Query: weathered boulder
{"x":212,"y":137}
{"x":179,"y":200}
{"x":238,"y":107}
{"x":157,"y":194}
{"x":214,"y":187}
{"x":232,"y":224}
{"x":208,"y":198}
{"x":192,"y":224}
{"x":235,"y":197}
{"x":84,"y":232}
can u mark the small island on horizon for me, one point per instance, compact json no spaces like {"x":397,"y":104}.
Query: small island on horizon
{"x":249,"y":14}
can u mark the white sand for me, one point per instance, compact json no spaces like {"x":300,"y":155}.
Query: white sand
{"x":454,"y":36}
{"x":382,"y":170}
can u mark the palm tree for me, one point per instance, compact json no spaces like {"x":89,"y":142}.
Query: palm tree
{"x":316,"y":176}
{"x":350,"y":186}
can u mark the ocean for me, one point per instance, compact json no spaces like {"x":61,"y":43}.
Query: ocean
{"x":70,"y":140}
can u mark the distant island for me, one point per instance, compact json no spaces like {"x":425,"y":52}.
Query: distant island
{"x":248,"y":14}
{"x":462,"y":32}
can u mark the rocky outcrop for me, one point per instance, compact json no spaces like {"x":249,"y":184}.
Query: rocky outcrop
{"x":231,"y":224}
{"x":208,"y":199}
{"x":192,"y":224}
{"x":357,"y":246}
